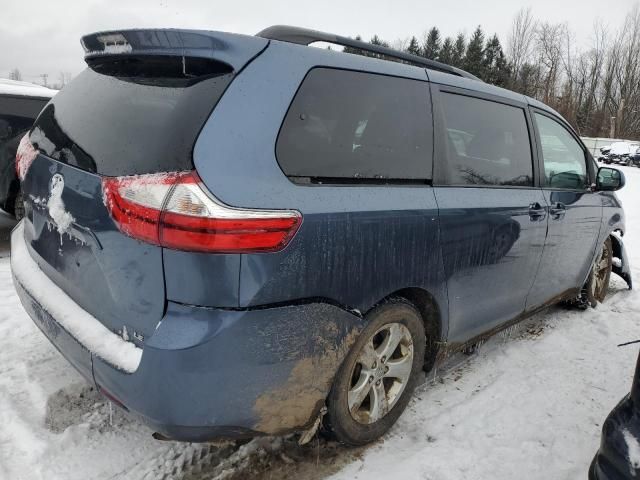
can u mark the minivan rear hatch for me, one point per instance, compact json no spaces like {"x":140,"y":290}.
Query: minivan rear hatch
{"x":136,"y":110}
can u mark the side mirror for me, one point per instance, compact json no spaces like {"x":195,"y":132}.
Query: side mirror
{"x":609,"y":179}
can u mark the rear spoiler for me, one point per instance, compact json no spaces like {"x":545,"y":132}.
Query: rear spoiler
{"x":232,"y":49}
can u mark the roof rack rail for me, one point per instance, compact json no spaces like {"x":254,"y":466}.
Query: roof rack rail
{"x":305,"y":36}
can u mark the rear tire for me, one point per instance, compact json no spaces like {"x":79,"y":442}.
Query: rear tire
{"x":374,"y":383}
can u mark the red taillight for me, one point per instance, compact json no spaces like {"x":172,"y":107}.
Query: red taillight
{"x":25,"y":156}
{"x":173,"y":210}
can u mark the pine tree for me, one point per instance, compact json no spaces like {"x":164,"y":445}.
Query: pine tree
{"x":431,"y":47}
{"x":414,"y":47}
{"x":527,"y":81}
{"x":495,"y":67}
{"x":474,"y":57}
{"x":376,"y":40}
{"x":355,"y":51}
{"x":459,"y":50}
{"x":447,"y":51}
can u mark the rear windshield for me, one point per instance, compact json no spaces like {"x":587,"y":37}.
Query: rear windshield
{"x":132,"y":115}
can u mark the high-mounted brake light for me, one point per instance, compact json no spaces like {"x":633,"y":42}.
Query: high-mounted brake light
{"x":174,"y":210}
{"x":25,"y":156}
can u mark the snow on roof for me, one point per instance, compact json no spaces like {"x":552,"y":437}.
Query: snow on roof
{"x":14,"y":87}
{"x":620,"y":148}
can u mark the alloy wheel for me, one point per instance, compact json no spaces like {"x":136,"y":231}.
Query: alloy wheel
{"x":381,"y":373}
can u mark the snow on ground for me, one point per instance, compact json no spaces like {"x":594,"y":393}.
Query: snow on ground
{"x":529,"y":405}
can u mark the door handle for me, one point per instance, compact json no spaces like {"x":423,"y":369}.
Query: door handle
{"x":536,"y":212}
{"x":557,"y":211}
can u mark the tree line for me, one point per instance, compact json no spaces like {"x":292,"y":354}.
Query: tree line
{"x":483,"y":58}
{"x":597,"y":88}
{"x":62,"y":79}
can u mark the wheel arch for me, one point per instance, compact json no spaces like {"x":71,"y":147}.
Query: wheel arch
{"x":432,"y":318}
{"x":623,"y":270}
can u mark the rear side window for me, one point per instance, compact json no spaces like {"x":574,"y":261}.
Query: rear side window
{"x":132,"y":115}
{"x":564,"y":159}
{"x":354,"y":125}
{"x":487,"y":142}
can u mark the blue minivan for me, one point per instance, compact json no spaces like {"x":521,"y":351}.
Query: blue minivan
{"x":234,"y":235}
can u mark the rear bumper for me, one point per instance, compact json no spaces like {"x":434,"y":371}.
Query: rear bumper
{"x":57,"y":307}
{"x":71,"y":349}
{"x":224,"y":373}
{"x":209,"y":373}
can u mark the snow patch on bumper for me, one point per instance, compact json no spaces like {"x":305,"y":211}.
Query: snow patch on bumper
{"x":79,"y":323}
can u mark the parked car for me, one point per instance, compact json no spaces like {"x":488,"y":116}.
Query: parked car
{"x":604,"y":154}
{"x":20,"y":104}
{"x":620,"y":152}
{"x":633,"y":149}
{"x":635,"y":156}
{"x":619,"y":455}
{"x":275,"y":238}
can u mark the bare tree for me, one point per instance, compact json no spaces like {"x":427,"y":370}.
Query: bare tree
{"x":628,"y":74}
{"x":549,"y":45}
{"x":400,"y":44}
{"x":520,"y":40}
{"x":591,"y":66}
{"x":65,"y":77}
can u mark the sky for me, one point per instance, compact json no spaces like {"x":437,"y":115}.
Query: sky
{"x":43,"y":36}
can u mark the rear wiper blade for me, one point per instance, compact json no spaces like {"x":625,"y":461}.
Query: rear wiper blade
{"x":629,"y":343}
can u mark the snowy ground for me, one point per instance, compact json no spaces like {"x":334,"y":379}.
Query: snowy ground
{"x":528,"y":405}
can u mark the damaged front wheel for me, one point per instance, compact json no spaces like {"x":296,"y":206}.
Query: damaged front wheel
{"x":376,"y":380}
{"x":597,"y":284}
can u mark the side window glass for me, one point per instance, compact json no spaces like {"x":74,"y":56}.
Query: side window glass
{"x":356,"y":125}
{"x":487,"y":142}
{"x":564,"y":159}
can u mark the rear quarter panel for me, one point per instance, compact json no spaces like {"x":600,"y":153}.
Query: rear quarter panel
{"x":357,"y":244}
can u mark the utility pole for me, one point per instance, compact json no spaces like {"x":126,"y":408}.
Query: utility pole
{"x":44,"y":78}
